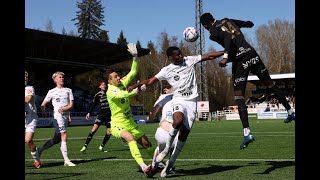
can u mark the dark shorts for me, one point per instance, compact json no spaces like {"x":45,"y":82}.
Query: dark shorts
{"x":103,"y":120}
{"x":241,"y":68}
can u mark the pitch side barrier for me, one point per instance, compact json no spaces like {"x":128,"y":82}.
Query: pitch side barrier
{"x":79,"y":119}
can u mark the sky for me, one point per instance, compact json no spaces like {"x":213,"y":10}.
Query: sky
{"x":144,"y":20}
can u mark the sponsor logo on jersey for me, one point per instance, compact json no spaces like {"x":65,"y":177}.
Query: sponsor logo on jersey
{"x":123,"y":100}
{"x":242,"y":50}
{"x":240,"y":79}
{"x":176,"y":107}
{"x":250,"y":62}
{"x":58,"y":99}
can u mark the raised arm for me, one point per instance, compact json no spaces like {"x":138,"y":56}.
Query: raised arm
{"x":147,"y":82}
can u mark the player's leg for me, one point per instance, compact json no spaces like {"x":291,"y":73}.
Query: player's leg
{"x":178,"y":117}
{"x":240,"y":75}
{"x":94,"y":129}
{"x":264,"y":76}
{"x":135,"y":152}
{"x":106,"y":137}
{"x":29,"y":132}
{"x":189,"y":115}
{"x":62,"y":121}
{"x":55,"y":140}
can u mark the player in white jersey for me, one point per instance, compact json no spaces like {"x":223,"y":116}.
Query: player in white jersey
{"x":181,"y":75}
{"x":62,"y":101}
{"x":31,"y":119}
{"x":163,"y":105}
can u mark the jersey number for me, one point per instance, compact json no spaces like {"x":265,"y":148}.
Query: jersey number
{"x":229,"y":28}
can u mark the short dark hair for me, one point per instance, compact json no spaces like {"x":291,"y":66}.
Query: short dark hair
{"x":171,"y":49}
{"x":107,"y":73}
{"x":101,"y":81}
{"x":206,"y":18}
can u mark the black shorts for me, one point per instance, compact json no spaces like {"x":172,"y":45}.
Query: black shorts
{"x":251,"y":62}
{"x":103,"y":120}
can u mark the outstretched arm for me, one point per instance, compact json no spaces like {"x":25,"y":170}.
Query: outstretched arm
{"x":211,"y":55}
{"x":241,"y":23}
{"x":146,"y":82}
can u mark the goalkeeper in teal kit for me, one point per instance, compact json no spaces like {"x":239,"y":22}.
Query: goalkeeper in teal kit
{"x":122,"y":124}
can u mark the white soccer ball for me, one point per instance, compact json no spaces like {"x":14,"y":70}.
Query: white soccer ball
{"x":190,"y":34}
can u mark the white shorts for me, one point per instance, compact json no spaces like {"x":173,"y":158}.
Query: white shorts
{"x":162,"y":136}
{"x":188,"y":108}
{"x":60,"y":122}
{"x":30,"y":125}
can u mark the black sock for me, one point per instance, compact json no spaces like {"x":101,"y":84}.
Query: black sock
{"x":89,"y":139}
{"x":243,"y":112}
{"x":105,"y":140}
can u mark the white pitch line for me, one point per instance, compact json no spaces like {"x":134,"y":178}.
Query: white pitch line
{"x":227,"y":160}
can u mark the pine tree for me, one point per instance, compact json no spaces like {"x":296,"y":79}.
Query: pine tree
{"x":89,"y":19}
{"x":121,"y":39}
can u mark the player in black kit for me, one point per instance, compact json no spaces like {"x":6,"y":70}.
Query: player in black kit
{"x":245,"y":59}
{"x":103,"y":117}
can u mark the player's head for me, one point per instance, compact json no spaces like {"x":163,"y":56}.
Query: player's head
{"x":206,"y":20}
{"x":174,"y":54}
{"x":102,"y":85}
{"x":113,"y":77}
{"x":58,"y":77}
{"x":26,"y":78}
{"x":167,"y":89}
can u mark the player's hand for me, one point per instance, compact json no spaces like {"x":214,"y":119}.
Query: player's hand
{"x":223,"y":62}
{"x":132,"y":48}
{"x":143,"y":87}
{"x":130,"y":88}
{"x":87,"y":116}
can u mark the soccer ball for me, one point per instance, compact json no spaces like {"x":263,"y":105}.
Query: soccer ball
{"x":190,"y":34}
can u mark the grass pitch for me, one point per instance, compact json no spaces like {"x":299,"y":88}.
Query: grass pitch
{"x":211,"y":152}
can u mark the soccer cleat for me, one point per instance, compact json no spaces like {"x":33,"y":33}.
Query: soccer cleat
{"x":37,"y":164}
{"x":153,"y":171}
{"x":83,"y":149}
{"x":247,"y":139}
{"x":166,"y":170}
{"x":69,"y":163}
{"x":162,"y":155}
{"x":101,"y":149}
{"x":290,"y":117}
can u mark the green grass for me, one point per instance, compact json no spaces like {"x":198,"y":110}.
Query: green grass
{"x":211,"y":152}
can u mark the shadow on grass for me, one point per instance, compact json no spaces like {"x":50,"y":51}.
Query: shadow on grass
{"x":202,"y":171}
{"x":60,"y":163}
{"x":58,"y":175}
{"x":277,"y":165}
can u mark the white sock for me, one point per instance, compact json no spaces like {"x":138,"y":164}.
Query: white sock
{"x":172,"y":134}
{"x":35,"y":156}
{"x":290,"y":111}
{"x":177,"y":149}
{"x":64,"y":151}
{"x":155,"y":154}
{"x":246,"y":131}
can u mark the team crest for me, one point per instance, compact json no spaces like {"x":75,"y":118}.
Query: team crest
{"x":176,"y":77}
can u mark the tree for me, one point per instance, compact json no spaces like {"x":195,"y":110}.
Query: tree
{"x":276,"y":45}
{"x":121,"y":39}
{"x":89,"y":19}
{"x":104,"y":36}
{"x":49,"y":26}
{"x":64,"y":32}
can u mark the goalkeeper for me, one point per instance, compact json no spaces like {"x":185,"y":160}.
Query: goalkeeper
{"x":122,"y":124}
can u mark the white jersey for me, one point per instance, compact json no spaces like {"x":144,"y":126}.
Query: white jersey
{"x":182,"y":77}
{"x":164,"y":102}
{"x":60,"y":97}
{"x":30,"y":108}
